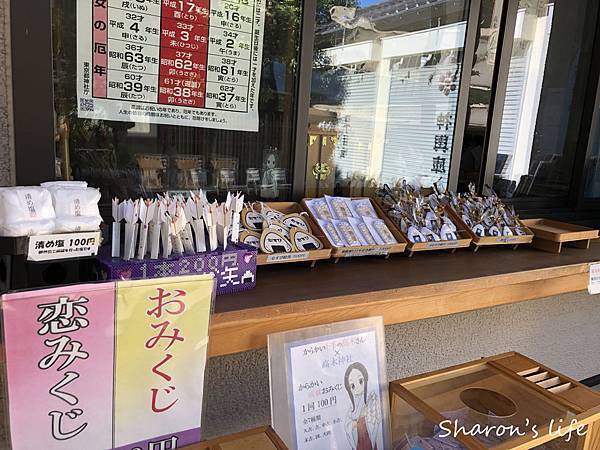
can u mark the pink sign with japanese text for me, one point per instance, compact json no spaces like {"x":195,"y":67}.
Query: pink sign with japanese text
{"x":109,"y":365}
{"x":59,"y":361}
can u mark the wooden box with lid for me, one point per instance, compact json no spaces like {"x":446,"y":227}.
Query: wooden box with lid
{"x":505,"y":402}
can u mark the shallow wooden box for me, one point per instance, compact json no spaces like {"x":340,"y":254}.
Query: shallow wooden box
{"x":365,"y":250}
{"x":314,"y":255}
{"x":478,"y":241}
{"x":263,"y":438}
{"x":551,"y":235}
{"x":517,"y":401}
{"x":411,"y":247}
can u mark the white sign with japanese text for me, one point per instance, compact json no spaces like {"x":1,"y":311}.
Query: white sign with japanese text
{"x":51,"y":247}
{"x":193,"y":62}
{"x":336,"y":390}
{"x":594,"y":283}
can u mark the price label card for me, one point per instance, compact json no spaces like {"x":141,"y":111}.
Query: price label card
{"x":280,"y":257}
{"x":594,"y":282}
{"x":62,"y":246}
{"x":192,"y":63}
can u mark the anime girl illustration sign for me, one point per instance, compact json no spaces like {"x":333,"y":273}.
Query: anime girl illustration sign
{"x":329,"y":387}
{"x":364,"y":418}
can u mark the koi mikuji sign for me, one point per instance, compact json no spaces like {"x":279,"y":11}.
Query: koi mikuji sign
{"x":109,"y":365}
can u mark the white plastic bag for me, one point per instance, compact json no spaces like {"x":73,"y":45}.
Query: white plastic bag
{"x":76,"y":208}
{"x":25,"y":211}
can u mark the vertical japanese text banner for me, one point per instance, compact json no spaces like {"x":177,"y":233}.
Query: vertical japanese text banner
{"x":59,"y":362}
{"x":161,"y":350}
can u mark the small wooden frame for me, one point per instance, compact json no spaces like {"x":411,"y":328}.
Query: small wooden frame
{"x":550,"y":235}
{"x":412,"y":247}
{"x":478,"y":241}
{"x":510,"y":389}
{"x":262,"y":438}
{"x":314,"y":255}
{"x":365,"y":250}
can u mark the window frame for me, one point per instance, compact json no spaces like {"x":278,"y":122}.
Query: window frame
{"x":35,"y":128}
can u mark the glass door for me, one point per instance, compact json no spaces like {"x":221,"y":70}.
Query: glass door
{"x":385,"y":81}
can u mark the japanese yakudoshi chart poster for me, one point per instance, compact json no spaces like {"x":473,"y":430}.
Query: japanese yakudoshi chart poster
{"x":108,"y":365}
{"x":179,"y":62}
{"x":337,"y":397}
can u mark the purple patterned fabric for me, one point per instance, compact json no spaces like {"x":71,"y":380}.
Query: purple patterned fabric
{"x":234,"y":268}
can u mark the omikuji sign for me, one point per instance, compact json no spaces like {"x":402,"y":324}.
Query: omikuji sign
{"x":111,"y":365}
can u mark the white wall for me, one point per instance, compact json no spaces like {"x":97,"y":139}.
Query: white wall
{"x":560,"y":332}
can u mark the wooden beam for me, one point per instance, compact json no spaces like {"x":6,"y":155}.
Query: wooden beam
{"x":247,"y":329}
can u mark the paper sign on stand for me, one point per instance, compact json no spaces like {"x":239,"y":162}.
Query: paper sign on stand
{"x":335,"y":376}
{"x":594,"y":281}
{"x":107,"y":365}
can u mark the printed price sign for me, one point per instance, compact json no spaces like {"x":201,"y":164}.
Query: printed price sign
{"x":594,"y":283}
{"x":60,"y":246}
{"x":336,"y":388}
{"x":179,"y":62}
{"x":107,"y":365}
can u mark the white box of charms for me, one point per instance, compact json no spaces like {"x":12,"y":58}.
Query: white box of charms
{"x":282,"y":232}
{"x":354,"y":226}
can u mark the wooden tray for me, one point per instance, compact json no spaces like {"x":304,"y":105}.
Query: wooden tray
{"x":264,"y":259}
{"x":365,"y":250}
{"x":412,"y":247}
{"x":478,"y":241}
{"x":262,"y":438}
{"x":550,"y":235}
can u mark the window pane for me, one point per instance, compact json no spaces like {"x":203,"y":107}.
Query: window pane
{"x":134,"y":158}
{"x":536,"y":151}
{"x":592,"y":162}
{"x":384,"y":93}
{"x":480,"y":93}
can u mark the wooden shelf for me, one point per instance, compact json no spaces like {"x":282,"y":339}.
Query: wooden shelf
{"x":400,"y":289}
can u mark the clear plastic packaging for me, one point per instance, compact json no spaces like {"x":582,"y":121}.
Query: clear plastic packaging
{"x":76,"y":208}
{"x":25,"y":211}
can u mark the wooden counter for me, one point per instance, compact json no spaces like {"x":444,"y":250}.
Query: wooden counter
{"x":401,"y":289}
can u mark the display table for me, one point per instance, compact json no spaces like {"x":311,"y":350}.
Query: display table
{"x":400,"y":289}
